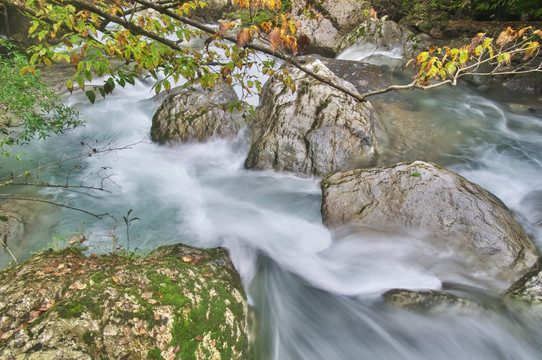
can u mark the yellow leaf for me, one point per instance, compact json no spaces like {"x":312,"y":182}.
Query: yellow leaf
{"x":531,"y":48}
{"x":47,"y":62}
{"x":293,"y":27}
{"x":115,"y":280}
{"x":522,"y":31}
{"x":421,"y":57}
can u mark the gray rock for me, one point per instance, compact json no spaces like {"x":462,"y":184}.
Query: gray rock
{"x":314,"y":130}
{"x":177,"y":302}
{"x":450,"y":213}
{"x":529,"y":286}
{"x":337,"y":18}
{"x":196,"y":114}
{"x":365,"y":77}
{"x":378,"y":37}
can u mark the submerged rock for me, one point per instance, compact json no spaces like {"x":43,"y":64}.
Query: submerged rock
{"x":177,"y":302}
{"x":448,"y":211}
{"x":314,"y":130}
{"x":431,"y":301}
{"x":196,"y":114}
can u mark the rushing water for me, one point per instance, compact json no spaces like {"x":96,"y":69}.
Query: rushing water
{"x":316,"y":294}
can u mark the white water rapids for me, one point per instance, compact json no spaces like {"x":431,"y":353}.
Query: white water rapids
{"x":316,"y":294}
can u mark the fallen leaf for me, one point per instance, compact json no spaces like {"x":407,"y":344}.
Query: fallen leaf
{"x":186,"y":259}
{"x":199,"y":337}
{"x":78,"y":285}
{"x":7,"y":335}
{"x":48,"y":269}
{"x":176,"y":349}
{"x":73,"y":240}
{"x":33,"y":316}
{"x":115,"y":280}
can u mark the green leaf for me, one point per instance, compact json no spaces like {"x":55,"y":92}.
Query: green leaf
{"x":91,"y":96}
{"x":416,"y":174}
{"x":463,"y":57}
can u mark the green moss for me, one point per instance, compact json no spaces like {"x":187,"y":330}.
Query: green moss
{"x":322,"y":106}
{"x":89,"y":338}
{"x":70,"y":309}
{"x":98,"y":277}
{"x":4,"y":218}
{"x":155,"y":354}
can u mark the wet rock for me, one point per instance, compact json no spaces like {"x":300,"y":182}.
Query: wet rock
{"x":177,"y":302}
{"x":337,"y":18}
{"x":379,"y":37}
{"x":529,"y":286}
{"x":314,"y":130}
{"x":196,"y":114}
{"x":431,"y":301}
{"x":365,"y":77}
{"x":448,"y":211}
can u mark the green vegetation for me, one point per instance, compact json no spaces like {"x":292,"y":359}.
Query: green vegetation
{"x":256,"y":16}
{"x":27,"y":104}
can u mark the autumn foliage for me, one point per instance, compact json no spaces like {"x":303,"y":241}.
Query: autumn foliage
{"x":451,"y":63}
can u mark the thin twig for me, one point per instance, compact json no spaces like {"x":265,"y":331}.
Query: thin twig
{"x":4,"y":242}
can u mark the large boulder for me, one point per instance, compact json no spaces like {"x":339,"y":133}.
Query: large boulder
{"x":178,"y":302}
{"x":197,"y":114}
{"x":377,"y":38}
{"x":447,"y":211}
{"x":314,"y":130}
{"x":335,"y":19}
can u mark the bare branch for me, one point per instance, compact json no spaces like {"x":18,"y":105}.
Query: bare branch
{"x":23,"y":198}
{"x":4,"y":243}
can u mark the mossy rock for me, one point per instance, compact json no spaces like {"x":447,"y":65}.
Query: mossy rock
{"x":177,"y":303}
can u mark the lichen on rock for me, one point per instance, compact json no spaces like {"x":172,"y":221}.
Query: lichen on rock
{"x":314,"y":131}
{"x":64,"y":304}
{"x":197,"y":114}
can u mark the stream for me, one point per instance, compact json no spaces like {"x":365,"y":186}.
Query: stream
{"x":316,"y":293}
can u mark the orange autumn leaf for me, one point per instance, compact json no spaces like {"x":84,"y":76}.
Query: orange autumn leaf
{"x":507,"y":36}
{"x":274,"y":39}
{"x":243,"y":37}
{"x":74,"y":59}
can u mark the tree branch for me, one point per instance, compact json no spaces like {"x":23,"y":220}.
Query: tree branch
{"x":23,"y":198}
